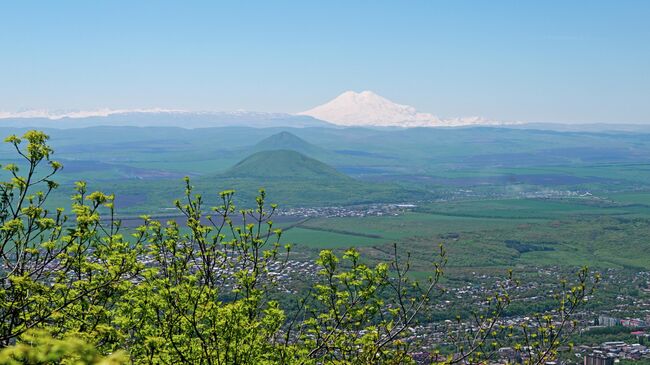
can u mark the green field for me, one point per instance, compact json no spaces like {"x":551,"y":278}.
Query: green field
{"x":638,"y":198}
{"x":320,"y":239}
{"x":536,"y":208}
{"x":524,"y":232}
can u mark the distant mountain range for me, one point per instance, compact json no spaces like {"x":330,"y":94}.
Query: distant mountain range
{"x":350,"y":109}
{"x":365,"y":109}
{"x":156,"y":118}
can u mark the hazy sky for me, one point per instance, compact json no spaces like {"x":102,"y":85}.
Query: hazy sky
{"x":568,"y":61}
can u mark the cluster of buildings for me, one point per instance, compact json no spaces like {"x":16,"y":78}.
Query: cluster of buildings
{"x":349,"y":211}
{"x":283,"y":272}
{"x":607,"y":321}
{"x":609,"y":353}
{"x":515,"y":191}
{"x":555,"y":194}
{"x":627,"y":310}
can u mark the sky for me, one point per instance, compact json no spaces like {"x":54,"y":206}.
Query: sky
{"x":537,"y":61}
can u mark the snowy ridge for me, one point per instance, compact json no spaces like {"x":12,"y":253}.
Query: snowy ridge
{"x":75,"y":114}
{"x":154,"y":118}
{"x":79,"y":114}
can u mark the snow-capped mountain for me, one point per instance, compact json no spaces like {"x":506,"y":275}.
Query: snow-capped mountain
{"x":369,"y":109}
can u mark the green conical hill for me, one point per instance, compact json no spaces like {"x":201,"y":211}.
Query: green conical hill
{"x":285,"y":164}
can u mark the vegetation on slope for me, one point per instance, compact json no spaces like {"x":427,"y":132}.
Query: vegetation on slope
{"x":284,"y":164}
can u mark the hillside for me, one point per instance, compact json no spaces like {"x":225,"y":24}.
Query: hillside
{"x":294,"y":179}
{"x":284,"y":164}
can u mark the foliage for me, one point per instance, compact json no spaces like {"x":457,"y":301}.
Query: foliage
{"x":74,"y":289}
{"x":38,"y":347}
{"x":56,"y":273}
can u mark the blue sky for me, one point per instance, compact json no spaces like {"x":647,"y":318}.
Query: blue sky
{"x":563,"y":61}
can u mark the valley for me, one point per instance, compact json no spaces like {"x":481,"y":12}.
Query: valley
{"x":492,"y":198}
{"x":539,"y":202}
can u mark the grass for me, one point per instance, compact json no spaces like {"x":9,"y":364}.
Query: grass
{"x":632,"y":198}
{"x":309,"y":238}
{"x":550,"y":232}
{"x":526,"y":209}
{"x":409,"y":225}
